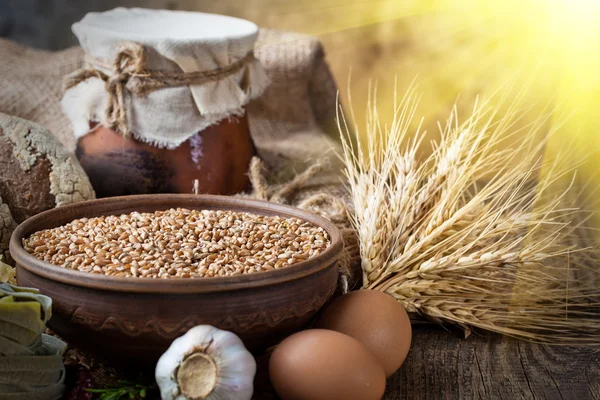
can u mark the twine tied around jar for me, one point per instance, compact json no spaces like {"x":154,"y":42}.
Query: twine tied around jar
{"x":129,"y":75}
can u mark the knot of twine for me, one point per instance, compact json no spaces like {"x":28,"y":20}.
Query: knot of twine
{"x":129,"y":75}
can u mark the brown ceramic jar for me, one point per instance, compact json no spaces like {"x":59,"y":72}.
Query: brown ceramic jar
{"x":165,"y":76}
{"x":218,"y":157}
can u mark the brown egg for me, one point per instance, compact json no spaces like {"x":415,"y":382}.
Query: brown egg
{"x":319,"y":364}
{"x":376,"y":320}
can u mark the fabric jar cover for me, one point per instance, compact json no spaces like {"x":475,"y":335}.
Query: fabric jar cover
{"x":173,"y":41}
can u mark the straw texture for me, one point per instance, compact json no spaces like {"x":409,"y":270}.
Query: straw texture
{"x":471,"y":235}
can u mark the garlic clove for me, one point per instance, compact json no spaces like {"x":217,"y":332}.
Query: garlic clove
{"x":206,"y":363}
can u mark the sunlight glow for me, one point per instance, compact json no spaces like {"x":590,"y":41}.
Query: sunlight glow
{"x":545,"y":51}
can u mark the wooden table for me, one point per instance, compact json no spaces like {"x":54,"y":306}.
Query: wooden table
{"x":443,"y":365}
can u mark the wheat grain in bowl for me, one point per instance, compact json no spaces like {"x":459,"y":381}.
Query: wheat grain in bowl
{"x":179,"y":243}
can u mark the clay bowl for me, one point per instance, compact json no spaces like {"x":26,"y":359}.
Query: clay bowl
{"x":136,"y":319}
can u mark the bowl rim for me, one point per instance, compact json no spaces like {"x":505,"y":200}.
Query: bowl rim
{"x":322,"y":261}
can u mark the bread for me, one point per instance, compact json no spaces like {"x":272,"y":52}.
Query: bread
{"x":36,"y":173}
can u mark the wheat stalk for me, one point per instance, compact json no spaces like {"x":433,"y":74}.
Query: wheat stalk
{"x":472,"y":235}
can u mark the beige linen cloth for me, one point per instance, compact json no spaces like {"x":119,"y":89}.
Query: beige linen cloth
{"x":173,"y":42}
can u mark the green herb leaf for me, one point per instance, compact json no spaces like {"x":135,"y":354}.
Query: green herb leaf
{"x":111,"y":396}
{"x":123,"y":390}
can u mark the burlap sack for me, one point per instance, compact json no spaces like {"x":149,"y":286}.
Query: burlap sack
{"x":292,"y":123}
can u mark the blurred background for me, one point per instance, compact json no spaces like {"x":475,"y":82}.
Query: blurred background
{"x":545,"y":51}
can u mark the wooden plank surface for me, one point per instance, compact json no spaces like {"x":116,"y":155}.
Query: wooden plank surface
{"x":443,"y":365}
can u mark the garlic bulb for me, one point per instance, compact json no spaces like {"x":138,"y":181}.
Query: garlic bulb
{"x":206,"y":363}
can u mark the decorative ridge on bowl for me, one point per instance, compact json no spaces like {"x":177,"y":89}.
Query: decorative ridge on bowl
{"x":148,"y":203}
